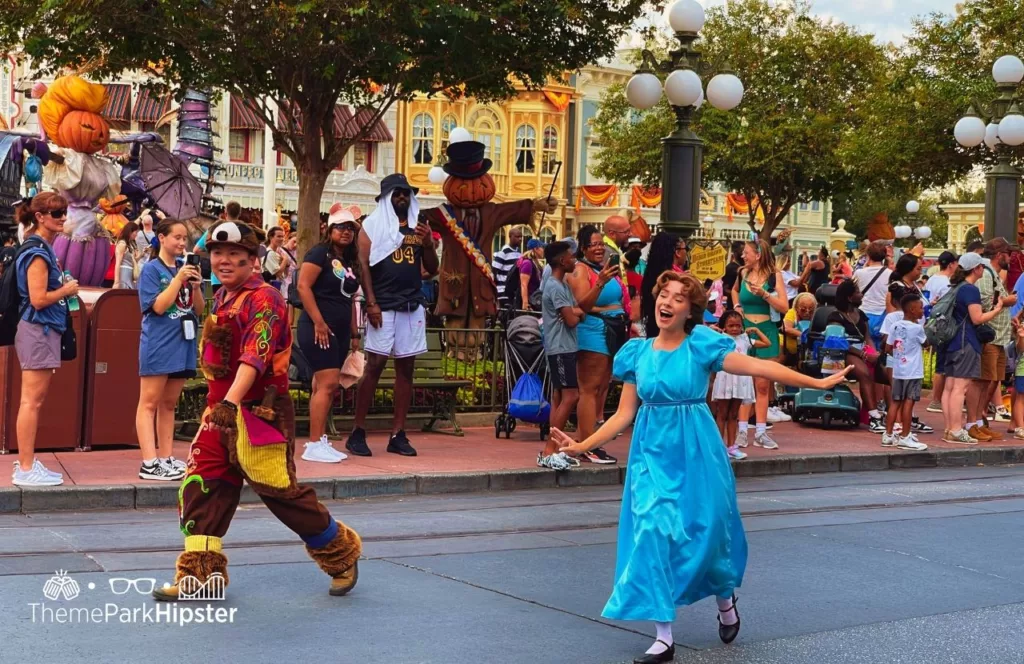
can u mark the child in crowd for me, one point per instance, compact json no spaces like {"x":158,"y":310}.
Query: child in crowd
{"x":904,"y":342}
{"x":1018,"y":380}
{"x":730,"y":391}
{"x":890,"y":320}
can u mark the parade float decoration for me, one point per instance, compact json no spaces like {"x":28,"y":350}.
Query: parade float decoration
{"x":70,"y":115}
{"x":114,"y":219}
{"x":880,"y":228}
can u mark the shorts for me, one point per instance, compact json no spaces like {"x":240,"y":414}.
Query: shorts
{"x":875,"y":328}
{"x":963,"y":363}
{"x":563,"y":371}
{"x":940,"y":360}
{"x":1018,"y":384}
{"x":771,"y":331}
{"x":906,"y":389}
{"x":185,"y":374}
{"x":401,"y":333}
{"x":37,"y":348}
{"x":993,"y":362}
{"x":323,"y":359}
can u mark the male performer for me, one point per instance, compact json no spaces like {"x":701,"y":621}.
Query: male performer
{"x":248,"y":431}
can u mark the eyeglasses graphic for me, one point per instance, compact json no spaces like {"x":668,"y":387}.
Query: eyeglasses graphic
{"x":142,"y":586}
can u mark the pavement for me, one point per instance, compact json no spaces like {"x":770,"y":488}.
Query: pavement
{"x":903,"y":566}
{"x":108,"y":478}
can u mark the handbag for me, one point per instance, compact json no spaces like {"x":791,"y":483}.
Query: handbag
{"x":615,"y":332}
{"x":68,"y":341}
{"x":352,"y":370}
{"x":986,"y":333}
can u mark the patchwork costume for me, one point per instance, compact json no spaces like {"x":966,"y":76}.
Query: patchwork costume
{"x":253,"y":442}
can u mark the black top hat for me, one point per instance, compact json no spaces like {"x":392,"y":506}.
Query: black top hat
{"x":466,"y":160}
{"x":395,"y":181}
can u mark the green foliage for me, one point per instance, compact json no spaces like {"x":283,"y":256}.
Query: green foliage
{"x":858,"y":211}
{"x":486,"y":375}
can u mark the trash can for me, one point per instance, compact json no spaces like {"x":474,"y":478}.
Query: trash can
{"x":60,"y":420}
{"x":112,"y":374}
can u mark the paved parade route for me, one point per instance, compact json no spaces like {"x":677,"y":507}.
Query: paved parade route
{"x":893,"y":566}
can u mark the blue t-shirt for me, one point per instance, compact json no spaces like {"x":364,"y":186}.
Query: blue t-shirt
{"x":201,"y":246}
{"x":53,"y":317}
{"x":967,"y":295}
{"x":163,"y":348}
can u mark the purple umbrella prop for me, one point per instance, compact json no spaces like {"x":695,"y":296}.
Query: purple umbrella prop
{"x":173,"y":189}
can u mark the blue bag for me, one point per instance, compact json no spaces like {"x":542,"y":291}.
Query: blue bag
{"x":527,"y":402}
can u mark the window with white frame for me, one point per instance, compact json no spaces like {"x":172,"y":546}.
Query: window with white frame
{"x":486,"y":128}
{"x":448,"y":124}
{"x":362,"y":155}
{"x":238,"y":146}
{"x":423,"y":139}
{"x":549,"y":152}
{"x":526,"y":149}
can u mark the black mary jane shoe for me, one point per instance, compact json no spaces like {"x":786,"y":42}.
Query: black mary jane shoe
{"x":728,"y":633}
{"x":668,"y":655}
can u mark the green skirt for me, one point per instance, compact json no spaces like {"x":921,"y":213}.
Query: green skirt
{"x":771,"y":330}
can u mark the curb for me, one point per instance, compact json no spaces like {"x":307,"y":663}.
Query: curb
{"x":127,"y":496}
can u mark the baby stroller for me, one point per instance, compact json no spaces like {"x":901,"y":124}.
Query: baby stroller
{"x":524,"y":353}
{"x":820,"y":352}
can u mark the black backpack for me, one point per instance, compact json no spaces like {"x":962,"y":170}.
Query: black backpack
{"x":512,"y":292}
{"x":10,"y":299}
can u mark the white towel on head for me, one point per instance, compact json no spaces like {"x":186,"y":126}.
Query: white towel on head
{"x":381,"y":226}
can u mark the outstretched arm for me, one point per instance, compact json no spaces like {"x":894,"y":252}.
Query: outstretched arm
{"x":743,"y":365}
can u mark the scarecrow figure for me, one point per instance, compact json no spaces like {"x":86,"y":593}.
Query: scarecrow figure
{"x":467,"y":224}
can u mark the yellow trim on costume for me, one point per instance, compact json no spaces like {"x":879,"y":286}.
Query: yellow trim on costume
{"x":203,"y":543}
{"x":264,"y":464}
{"x":468,"y":246}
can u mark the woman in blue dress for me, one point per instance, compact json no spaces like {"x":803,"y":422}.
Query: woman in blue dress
{"x":680,"y":534}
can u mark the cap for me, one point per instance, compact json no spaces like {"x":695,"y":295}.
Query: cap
{"x":634,"y":240}
{"x":969,"y":261}
{"x":947,"y":258}
{"x":237,"y":233}
{"x":340,"y":215}
{"x":395,"y":181}
{"x":534,"y":243}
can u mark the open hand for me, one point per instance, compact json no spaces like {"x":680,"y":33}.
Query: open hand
{"x":566,"y":443}
{"x":828,"y":382}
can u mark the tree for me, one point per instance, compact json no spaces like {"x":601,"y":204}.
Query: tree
{"x":806,"y":81}
{"x":307,"y":55}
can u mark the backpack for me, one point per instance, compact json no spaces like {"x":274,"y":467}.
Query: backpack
{"x":512,"y":290}
{"x":941,"y":326}
{"x":10,"y":299}
{"x":527,"y":402}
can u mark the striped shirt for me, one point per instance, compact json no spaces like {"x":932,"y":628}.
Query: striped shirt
{"x":502,"y":264}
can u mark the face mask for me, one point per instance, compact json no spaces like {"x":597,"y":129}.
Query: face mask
{"x":294,"y":218}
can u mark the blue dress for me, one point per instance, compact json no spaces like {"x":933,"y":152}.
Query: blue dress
{"x":590,"y":332}
{"x":680,"y":534}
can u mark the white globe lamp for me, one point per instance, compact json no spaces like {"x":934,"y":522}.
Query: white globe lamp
{"x":699,"y":102}
{"x":686,"y":16}
{"x":1008,"y":69}
{"x":643,"y":90}
{"x":683,"y":88}
{"x":902,"y":232}
{"x":459,"y":135}
{"x":725,"y":92}
{"x":436,"y":175}
{"x":922,"y":233}
{"x":992,"y":135}
{"x":913,"y":207}
{"x":1011,"y":129}
{"x":969,"y":131}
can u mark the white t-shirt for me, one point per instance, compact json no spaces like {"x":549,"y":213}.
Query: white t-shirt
{"x":907,"y":340}
{"x":937,"y":286}
{"x":889,"y":321}
{"x":791,"y":291}
{"x":874,"y":299}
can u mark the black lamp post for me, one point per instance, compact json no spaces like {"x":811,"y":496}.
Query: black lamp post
{"x":683,"y":150}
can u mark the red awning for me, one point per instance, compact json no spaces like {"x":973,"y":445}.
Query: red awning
{"x":347,"y":126}
{"x":119,"y":101}
{"x":244,"y":114}
{"x":149,"y":108}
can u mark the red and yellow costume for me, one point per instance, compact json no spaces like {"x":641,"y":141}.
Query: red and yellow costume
{"x":250,"y":326}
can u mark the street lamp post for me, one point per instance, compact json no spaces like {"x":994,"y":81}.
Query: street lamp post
{"x":682,"y":150}
{"x":1004,"y":128}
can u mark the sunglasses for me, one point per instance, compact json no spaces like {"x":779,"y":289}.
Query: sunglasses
{"x":345,"y":227}
{"x":58,"y":214}
{"x":402,"y":192}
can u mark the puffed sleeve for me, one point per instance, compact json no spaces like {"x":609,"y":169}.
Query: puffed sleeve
{"x":711,"y":347}
{"x":626,"y":360}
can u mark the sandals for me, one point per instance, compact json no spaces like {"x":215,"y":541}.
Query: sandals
{"x":666,"y":655}
{"x":728,"y":633}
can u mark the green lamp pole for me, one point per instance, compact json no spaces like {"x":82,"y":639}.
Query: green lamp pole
{"x":682,"y":150}
{"x":1004,"y":130}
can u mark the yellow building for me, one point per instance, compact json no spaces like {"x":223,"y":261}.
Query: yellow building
{"x":526,"y":137}
{"x":962,"y":218}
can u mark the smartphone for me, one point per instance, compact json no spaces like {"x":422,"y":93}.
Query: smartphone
{"x":615,"y":259}
{"x":73,"y":303}
{"x":194,"y":260}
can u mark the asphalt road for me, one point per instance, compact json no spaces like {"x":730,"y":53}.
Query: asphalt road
{"x":923,"y":566}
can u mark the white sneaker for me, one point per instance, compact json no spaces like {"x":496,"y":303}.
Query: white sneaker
{"x":741,"y":439}
{"x":326,"y":442}
{"x":1002,"y":414}
{"x":318,"y":452}
{"x":37,"y":476}
{"x":177,"y":464}
{"x":776,"y":414}
{"x":890,"y":441}
{"x":765,"y":441}
{"x":38,"y":465}
{"x":908,"y":443}
{"x":735,"y":453}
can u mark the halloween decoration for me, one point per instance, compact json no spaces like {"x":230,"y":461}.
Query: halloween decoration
{"x":880,"y":228}
{"x":114,"y":220}
{"x":83,"y":131}
{"x":69,"y":112}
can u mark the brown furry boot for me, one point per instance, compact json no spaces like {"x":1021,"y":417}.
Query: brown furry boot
{"x":339,"y":559}
{"x":195,"y":569}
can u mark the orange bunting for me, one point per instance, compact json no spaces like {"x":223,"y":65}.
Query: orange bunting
{"x":738,"y":203}
{"x":645,"y":197}
{"x":598,"y":195}
{"x":559,"y":100}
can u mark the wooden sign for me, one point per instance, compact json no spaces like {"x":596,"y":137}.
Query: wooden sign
{"x":708,"y":260}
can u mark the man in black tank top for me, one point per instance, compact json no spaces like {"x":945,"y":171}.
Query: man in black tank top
{"x":392,"y":264}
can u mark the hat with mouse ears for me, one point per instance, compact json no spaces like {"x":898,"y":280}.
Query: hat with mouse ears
{"x":233,"y":233}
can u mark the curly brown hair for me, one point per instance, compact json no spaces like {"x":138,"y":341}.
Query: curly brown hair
{"x":692,"y":290}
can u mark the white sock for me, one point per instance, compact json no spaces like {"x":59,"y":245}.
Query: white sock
{"x":979,"y":423}
{"x":727,"y":610}
{"x":743,"y":427}
{"x":760,"y":429}
{"x":149,"y":462}
{"x":663,"y":631}
{"x":874,"y":413}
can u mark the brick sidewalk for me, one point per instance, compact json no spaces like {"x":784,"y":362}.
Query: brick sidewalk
{"x":479,"y":452}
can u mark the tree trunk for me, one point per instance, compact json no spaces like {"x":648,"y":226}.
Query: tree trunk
{"x":311,"y":189}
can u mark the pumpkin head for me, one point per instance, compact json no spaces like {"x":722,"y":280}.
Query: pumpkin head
{"x":83,"y":131}
{"x":879,"y":228}
{"x":469,"y":193}
{"x":114,"y":220}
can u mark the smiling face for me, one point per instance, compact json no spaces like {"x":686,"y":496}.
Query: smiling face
{"x":594,"y":249}
{"x":672,"y":307}
{"x":749,"y":255}
{"x":805,"y":309}
{"x":52,"y":220}
{"x":343,"y":235}
{"x":175,"y":241}
{"x":232,"y":264}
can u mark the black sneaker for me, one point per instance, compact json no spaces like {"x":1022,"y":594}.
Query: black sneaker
{"x":920,"y":427}
{"x":399,"y":444}
{"x":876,"y":425}
{"x":356,"y":443}
{"x":599,"y":456}
{"x":160,"y":472}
